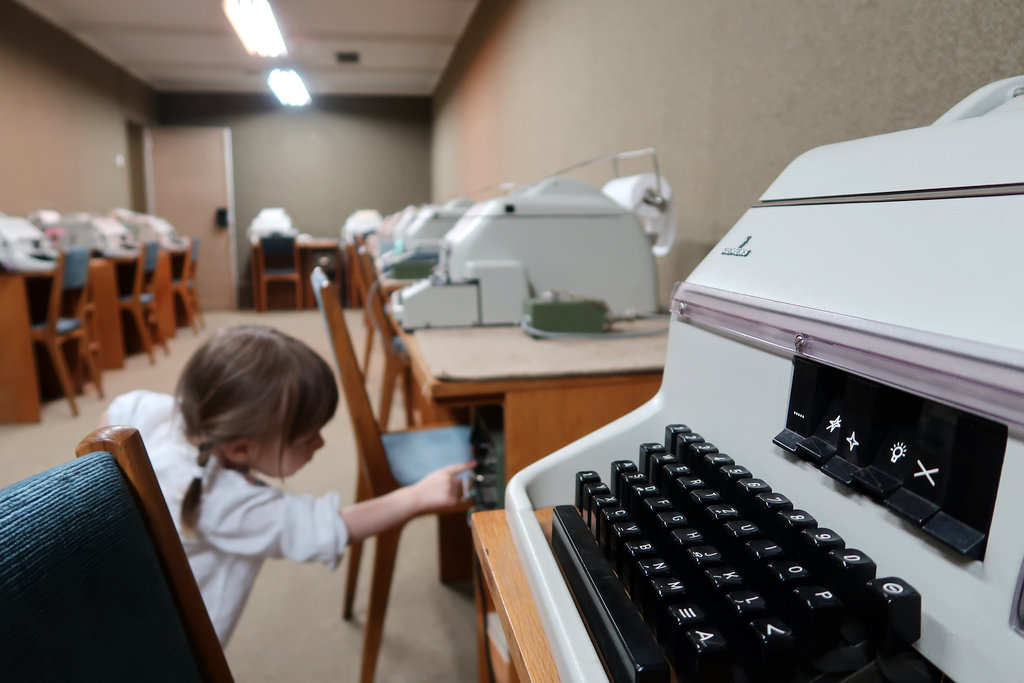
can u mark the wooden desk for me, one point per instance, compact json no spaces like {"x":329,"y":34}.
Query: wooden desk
{"x":19,"y":387}
{"x":552,"y":391}
{"x":107,"y":312}
{"x":504,"y":590}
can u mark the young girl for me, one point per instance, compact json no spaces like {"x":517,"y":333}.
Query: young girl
{"x":252,"y":400}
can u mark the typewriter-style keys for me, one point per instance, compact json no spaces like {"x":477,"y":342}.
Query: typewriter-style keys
{"x":619,"y":468}
{"x":892,"y":613}
{"x":770,"y":650}
{"x":849,"y":571}
{"x":647,"y":451}
{"x":814,"y":545}
{"x":815,"y":613}
{"x":582,"y":480}
{"x":701,"y":655}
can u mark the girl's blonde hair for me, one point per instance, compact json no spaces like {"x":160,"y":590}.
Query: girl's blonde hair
{"x":255,"y":382}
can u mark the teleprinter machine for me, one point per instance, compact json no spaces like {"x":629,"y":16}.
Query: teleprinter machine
{"x":560,"y":234}
{"x":840,"y":428}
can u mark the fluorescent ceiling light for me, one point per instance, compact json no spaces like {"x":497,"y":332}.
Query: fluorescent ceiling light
{"x":253,"y":21}
{"x":288,"y":87}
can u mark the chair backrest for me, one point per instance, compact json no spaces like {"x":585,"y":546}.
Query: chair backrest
{"x":93,"y":580}
{"x":278,"y":252}
{"x":55,"y":297}
{"x":151,"y":251}
{"x":75,"y":282}
{"x":370,"y":448}
{"x":76,"y":268}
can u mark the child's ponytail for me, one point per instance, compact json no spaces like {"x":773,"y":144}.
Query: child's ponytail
{"x":190,"y":504}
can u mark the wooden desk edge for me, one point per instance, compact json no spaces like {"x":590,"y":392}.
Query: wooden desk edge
{"x":506,"y":583}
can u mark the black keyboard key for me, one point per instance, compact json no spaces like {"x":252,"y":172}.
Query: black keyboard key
{"x":744,"y":491}
{"x":815,"y":613}
{"x":657,"y":598}
{"x":635,"y":495}
{"x":645,"y":571}
{"x":789,"y":524}
{"x":672,"y":434}
{"x":742,"y":606}
{"x":589,"y":491}
{"x":726,"y":477}
{"x":951,"y":531}
{"x":667,"y":522}
{"x":721,"y":580}
{"x":702,"y":655}
{"x":582,"y":479}
{"x":647,"y":451}
{"x":626,"y":645}
{"x":771,"y":650}
{"x":597,"y":504}
{"x":650,"y":508}
{"x":766,"y":505}
{"x":699,"y":499}
{"x":680,"y":488}
{"x":634,"y":552}
{"x":621,"y":534}
{"x":607,"y":518}
{"x":627,"y":480}
{"x":756,"y":557}
{"x":736,"y":533}
{"x":782,"y":577}
{"x":619,"y":468}
{"x":693,"y":454}
{"x":696,"y":559}
{"x":892,"y":613}
{"x":816,"y":544}
{"x":849,"y":571}
{"x":658,"y":469}
{"x":711,"y":463}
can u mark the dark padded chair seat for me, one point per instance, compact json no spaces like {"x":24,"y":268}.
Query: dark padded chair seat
{"x":82,"y":592}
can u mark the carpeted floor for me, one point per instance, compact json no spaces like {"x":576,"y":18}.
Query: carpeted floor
{"x":291,"y":629}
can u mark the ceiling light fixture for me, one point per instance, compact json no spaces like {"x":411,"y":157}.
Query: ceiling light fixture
{"x":288,"y":87}
{"x":254,"y":22}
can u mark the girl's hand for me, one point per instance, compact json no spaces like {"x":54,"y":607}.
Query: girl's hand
{"x":443,"y":487}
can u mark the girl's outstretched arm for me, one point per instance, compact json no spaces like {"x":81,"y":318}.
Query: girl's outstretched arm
{"x":439,"y":489}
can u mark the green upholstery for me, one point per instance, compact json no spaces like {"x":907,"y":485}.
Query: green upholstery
{"x":82,"y":593}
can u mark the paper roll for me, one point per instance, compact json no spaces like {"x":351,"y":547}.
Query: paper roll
{"x":658,"y":219}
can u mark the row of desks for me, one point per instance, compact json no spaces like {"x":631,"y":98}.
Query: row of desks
{"x":20,"y":293}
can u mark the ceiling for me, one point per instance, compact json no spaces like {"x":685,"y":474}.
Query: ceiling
{"x":189,"y":45}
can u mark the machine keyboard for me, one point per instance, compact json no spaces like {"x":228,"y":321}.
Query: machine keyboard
{"x":685,"y":559}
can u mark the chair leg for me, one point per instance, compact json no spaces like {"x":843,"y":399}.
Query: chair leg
{"x":60,"y":364}
{"x":143,"y":327}
{"x":187,"y":305}
{"x":88,"y":355}
{"x":355,"y":553}
{"x":369,"y":342}
{"x":196,"y":307}
{"x":298,"y":295}
{"x":407,"y":395}
{"x":387,"y":391}
{"x":383,"y":569}
{"x":154,"y":325}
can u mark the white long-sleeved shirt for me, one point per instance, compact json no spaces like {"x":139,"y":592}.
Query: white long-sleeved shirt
{"x":242,"y":521}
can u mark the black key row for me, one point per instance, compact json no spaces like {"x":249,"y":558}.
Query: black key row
{"x":710,"y":556}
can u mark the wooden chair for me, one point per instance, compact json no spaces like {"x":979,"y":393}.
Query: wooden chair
{"x":386,"y":461}
{"x":397,"y":367}
{"x":68,"y":291}
{"x":184,"y":286}
{"x":140,"y":302}
{"x":94,"y":582}
{"x":279,"y":262}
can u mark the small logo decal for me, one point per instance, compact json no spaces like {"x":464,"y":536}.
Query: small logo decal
{"x":738,"y":251}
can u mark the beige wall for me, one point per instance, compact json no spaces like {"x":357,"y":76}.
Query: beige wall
{"x":727,"y":91}
{"x":63,"y":120}
{"x":321,"y":162}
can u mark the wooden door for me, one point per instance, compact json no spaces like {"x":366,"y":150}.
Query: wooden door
{"x":189,"y":180}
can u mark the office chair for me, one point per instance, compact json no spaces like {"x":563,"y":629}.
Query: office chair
{"x":279,"y":262}
{"x":386,"y":462}
{"x":93,"y":579}
{"x":140,"y":302}
{"x":68,"y":287}
{"x":184,"y":286}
